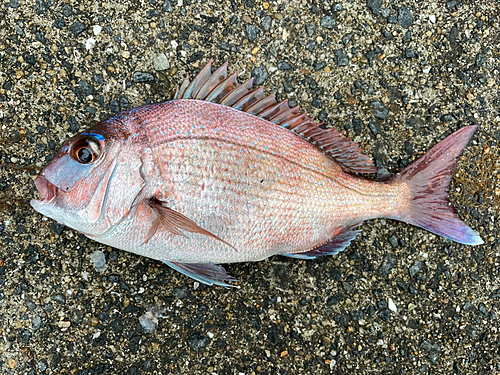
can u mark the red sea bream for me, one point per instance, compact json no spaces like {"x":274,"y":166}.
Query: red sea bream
{"x":224,"y":174}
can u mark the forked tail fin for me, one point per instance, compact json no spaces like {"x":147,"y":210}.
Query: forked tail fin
{"x":429,"y":178}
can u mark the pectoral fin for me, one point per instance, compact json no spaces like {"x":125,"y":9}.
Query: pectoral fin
{"x":174,"y":222}
{"x":206,"y":273}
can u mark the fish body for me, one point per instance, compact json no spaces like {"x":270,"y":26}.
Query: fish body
{"x":196,"y":182}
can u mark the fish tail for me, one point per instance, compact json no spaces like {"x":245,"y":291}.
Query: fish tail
{"x":429,"y":179}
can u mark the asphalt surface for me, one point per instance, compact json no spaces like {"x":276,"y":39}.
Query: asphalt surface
{"x":396,"y":77}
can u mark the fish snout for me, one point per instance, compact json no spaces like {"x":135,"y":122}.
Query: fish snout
{"x":46,"y":188}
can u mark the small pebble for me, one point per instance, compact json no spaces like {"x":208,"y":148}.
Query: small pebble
{"x":160,"y":62}
{"x":341,"y":57}
{"x":251,"y":32}
{"x":405,"y":17}
{"x":392,"y":305}
{"x":328,"y":22}
{"x":415,"y":268}
{"x":140,"y":77}
{"x":99,"y":260}
{"x":260,"y":75}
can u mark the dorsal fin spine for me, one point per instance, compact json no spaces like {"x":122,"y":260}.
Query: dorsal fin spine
{"x":215,"y":79}
{"x":325,"y":135}
{"x":312,"y":133}
{"x":281,"y":117}
{"x":302,"y":127}
{"x":297,"y":120}
{"x":273,"y":110}
{"x":224,"y":90}
{"x":197,"y":83}
{"x":262,"y":105}
{"x":183,"y":87}
{"x":234,"y":96}
{"x":250,"y":99}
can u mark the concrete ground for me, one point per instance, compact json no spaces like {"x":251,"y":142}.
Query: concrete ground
{"x":394,"y":76}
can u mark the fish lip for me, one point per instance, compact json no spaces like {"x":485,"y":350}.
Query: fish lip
{"x":46,"y":188}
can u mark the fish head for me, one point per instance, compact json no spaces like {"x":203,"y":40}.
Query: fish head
{"x":75,"y":184}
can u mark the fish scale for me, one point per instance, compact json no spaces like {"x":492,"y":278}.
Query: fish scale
{"x":194,"y":182}
{"x":296,"y":188}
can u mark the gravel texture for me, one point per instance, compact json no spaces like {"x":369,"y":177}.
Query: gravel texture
{"x":395,"y":76}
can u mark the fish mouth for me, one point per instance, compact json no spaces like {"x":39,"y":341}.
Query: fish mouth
{"x":46,"y":188}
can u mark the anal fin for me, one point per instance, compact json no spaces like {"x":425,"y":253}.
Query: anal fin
{"x":206,"y":273}
{"x":333,"y":247}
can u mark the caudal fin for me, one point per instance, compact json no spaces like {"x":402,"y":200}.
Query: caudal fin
{"x":429,"y":179}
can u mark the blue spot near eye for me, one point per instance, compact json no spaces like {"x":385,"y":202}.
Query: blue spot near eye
{"x":135,"y":135}
{"x":95,"y":135}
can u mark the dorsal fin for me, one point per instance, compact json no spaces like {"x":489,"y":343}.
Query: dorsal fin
{"x":221,"y":89}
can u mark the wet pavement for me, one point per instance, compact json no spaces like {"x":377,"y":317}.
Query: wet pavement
{"x":396,"y":77}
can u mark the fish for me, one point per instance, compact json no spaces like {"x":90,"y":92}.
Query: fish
{"x":224,"y":173}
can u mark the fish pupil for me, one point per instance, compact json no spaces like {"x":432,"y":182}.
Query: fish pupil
{"x":84,"y":155}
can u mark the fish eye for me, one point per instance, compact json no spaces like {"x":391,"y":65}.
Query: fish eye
{"x":86,"y":150}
